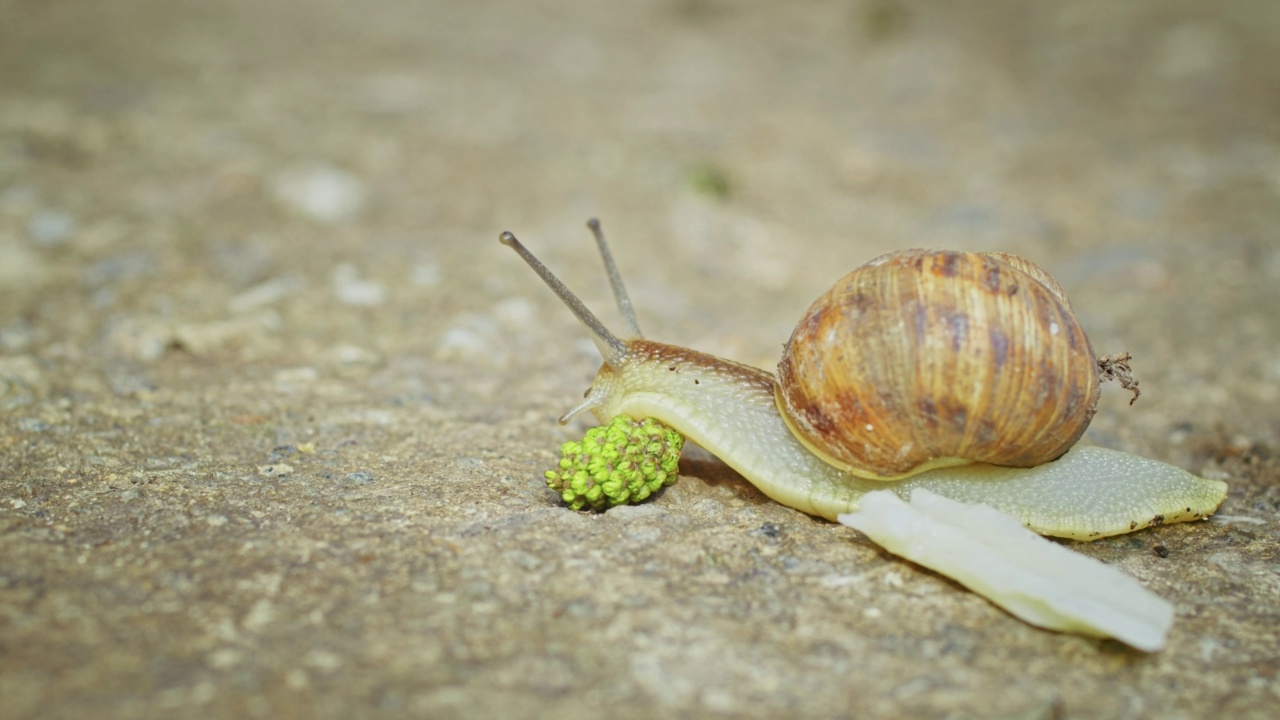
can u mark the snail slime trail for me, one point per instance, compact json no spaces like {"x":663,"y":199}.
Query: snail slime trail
{"x":982,"y":400}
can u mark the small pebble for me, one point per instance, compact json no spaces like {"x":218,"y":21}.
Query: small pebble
{"x":224,"y":659}
{"x":426,"y":274}
{"x":33,"y":425}
{"x":296,"y":376}
{"x":50,"y":228}
{"x":353,"y":290}
{"x":515,"y":312}
{"x":348,"y":354}
{"x":321,"y":192}
{"x":472,"y":337}
{"x":769,"y":530}
{"x":211,"y":337}
{"x":323,"y":660}
{"x":275,"y":470}
{"x":16,"y":338}
{"x":360,"y":477}
{"x":126,"y":383}
{"x":142,"y":339}
{"x":265,"y":293}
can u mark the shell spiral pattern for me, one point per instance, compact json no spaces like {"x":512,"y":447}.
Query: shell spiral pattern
{"x":926,"y":358}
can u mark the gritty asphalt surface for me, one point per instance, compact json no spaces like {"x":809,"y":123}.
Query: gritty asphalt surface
{"x":275,"y":404}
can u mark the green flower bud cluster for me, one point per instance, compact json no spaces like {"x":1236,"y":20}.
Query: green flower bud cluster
{"x":616,"y":464}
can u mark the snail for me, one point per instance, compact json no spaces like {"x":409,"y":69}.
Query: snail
{"x":963,"y":374}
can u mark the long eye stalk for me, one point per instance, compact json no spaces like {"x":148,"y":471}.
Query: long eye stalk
{"x":615,"y":279}
{"x":611,"y":348}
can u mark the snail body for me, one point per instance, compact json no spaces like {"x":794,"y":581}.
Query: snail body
{"x":811,"y":449}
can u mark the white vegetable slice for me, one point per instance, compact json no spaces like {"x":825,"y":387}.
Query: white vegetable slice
{"x":1034,"y":579}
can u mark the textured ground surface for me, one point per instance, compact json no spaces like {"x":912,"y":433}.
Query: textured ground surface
{"x":274,"y":402}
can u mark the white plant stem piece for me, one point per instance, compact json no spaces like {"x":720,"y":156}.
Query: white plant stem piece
{"x":1034,"y":579}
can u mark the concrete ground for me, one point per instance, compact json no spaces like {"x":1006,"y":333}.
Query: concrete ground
{"x":274,"y":403}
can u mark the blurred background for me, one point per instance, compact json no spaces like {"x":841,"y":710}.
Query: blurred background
{"x":177,"y":155}
{"x":229,"y":230}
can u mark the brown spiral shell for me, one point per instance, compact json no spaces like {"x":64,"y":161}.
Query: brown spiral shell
{"x":922,"y":358}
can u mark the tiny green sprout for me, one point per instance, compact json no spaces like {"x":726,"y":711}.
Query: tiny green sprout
{"x":621,"y":463}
